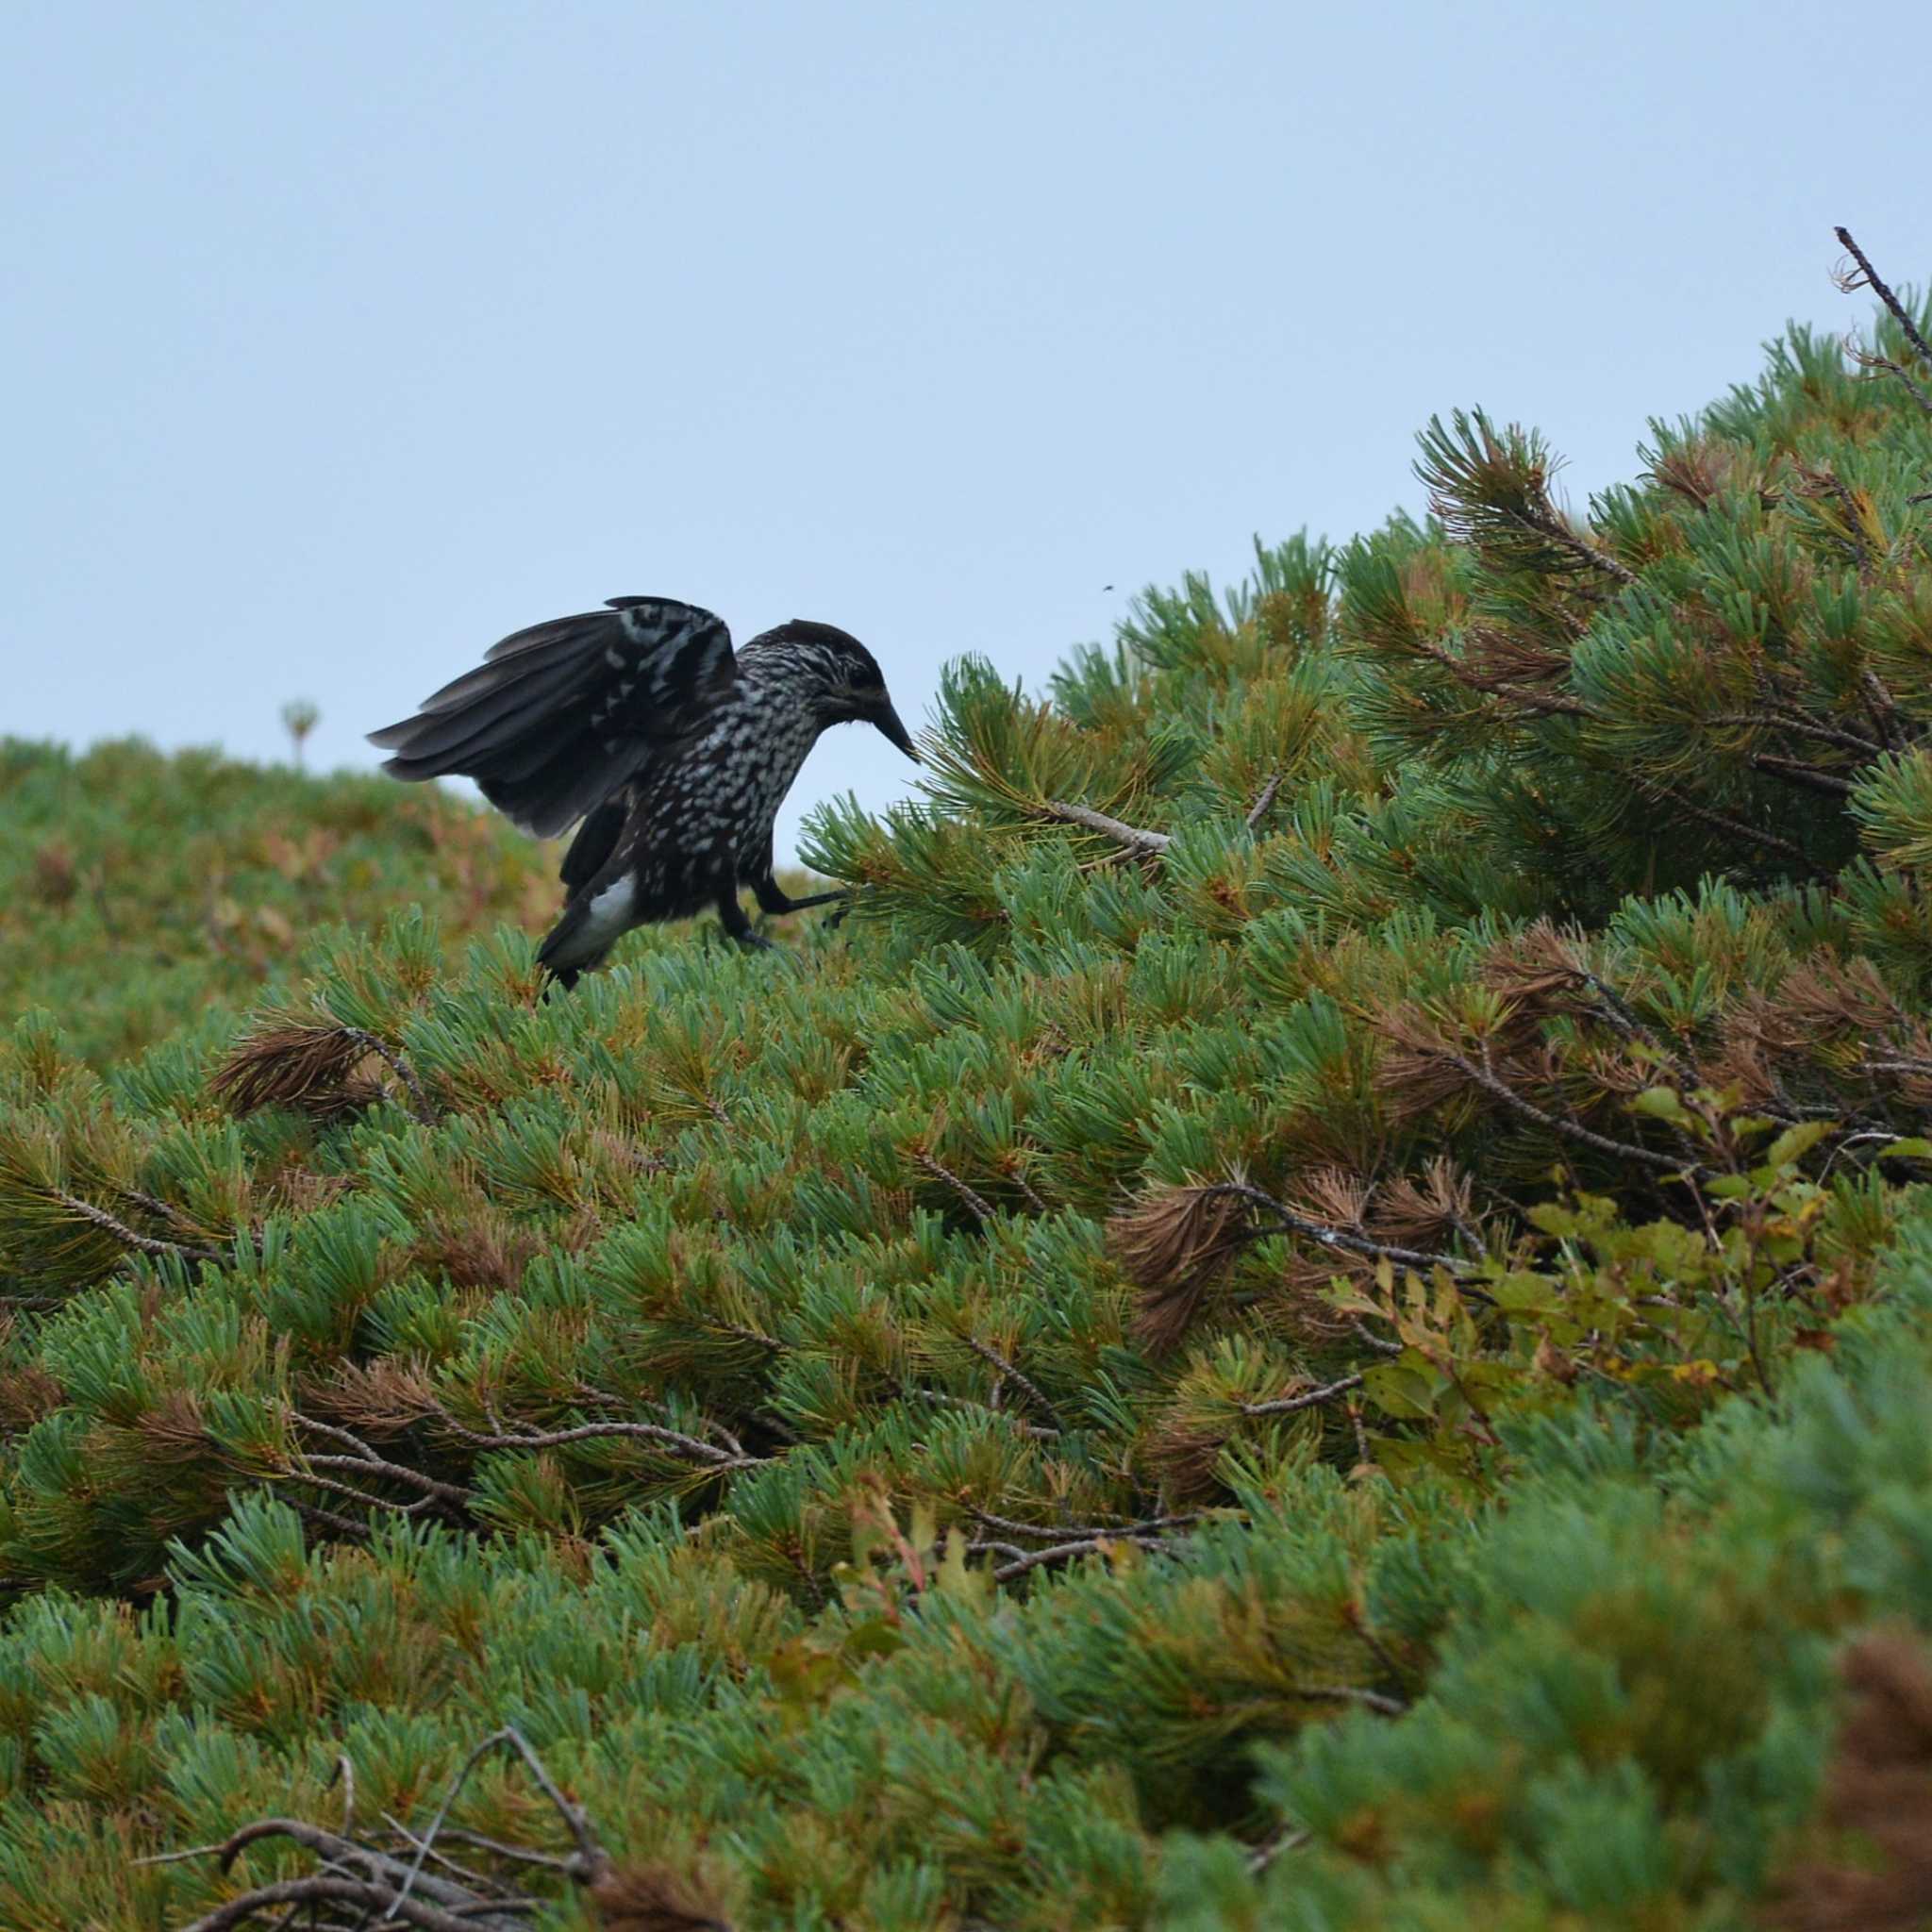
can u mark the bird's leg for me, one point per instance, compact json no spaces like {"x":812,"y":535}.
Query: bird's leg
{"x":731,"y":916}
{"x":774,"y":898}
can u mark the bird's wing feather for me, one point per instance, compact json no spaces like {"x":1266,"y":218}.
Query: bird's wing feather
{"x":596,"y":840}
{"x":559,"y":715}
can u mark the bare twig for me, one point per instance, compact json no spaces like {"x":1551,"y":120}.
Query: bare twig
{"x":977,"y":1204}
{"x":590,"y":1860}
{"x":1288,"y":1839}
{"x":1061,"y":1552}
{"x":345,"y":1770}
{"x":1551,"y":704}
{"x":141,"y":1243}
{"x":354,"y":1874}
{"x":331,"y":1888}
{"x":994,"y":1360}
{"x":688,"y":1446}
{"x":1259,"y":808}
{"x":1869,"y":277}
{"x":392,"y":1056}
{"x":1374,"y":1342}
{"x":939,"y":1400}
{"x":1133,"y":838}
{"x":1871,"y":359}
{"x":1349,"y":1693}
{"x":363,"y":1460}
{"x":328,"y":1520}
{"x":1309,"y":1398}
{"x":1026,"y":1187}
{"x":1486,"y":1078}
{"x":1147,"y":1527}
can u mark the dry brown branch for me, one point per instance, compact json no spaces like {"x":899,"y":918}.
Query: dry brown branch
{"x":311,"y":1067}
{"x":1174,"y":1243}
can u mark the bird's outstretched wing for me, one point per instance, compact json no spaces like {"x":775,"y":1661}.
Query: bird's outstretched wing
{"x":558,"y":716}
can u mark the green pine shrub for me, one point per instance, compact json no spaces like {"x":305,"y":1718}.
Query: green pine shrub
{"x":1317,"y":1313}
{"x":137,"y":889}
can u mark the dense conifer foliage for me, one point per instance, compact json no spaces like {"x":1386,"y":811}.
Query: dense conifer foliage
{"x":1316,"y":1312}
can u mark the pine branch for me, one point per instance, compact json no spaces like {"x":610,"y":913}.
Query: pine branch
{"x":1807,"y":728}
{"x":1734,"y":827}
{"x":1810,"y":776}
{"x":1546,"y":522}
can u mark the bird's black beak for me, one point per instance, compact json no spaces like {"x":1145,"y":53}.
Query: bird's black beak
{"x":888,"y":721}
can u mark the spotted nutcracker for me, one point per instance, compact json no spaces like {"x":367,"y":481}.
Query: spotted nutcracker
{"x":673,"y":750}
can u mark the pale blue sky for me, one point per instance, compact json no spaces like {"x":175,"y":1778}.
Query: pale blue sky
{"x":341,"y":340}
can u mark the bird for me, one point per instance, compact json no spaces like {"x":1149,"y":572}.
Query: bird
{"x":669,"y":750}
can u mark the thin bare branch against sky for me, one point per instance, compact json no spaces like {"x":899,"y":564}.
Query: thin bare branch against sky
{"x":343,"y":340}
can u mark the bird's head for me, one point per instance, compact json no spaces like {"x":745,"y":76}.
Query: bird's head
{"x":841,"y":678}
